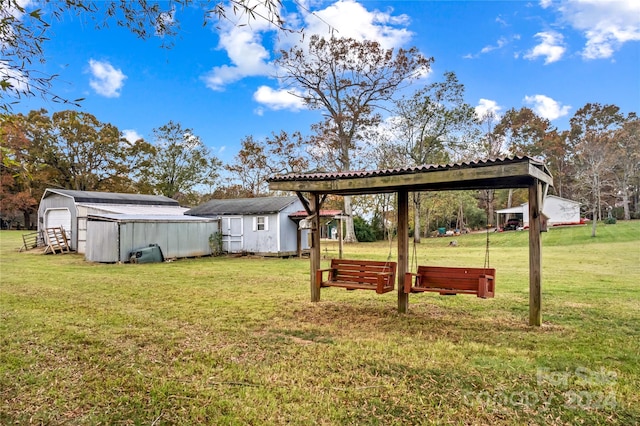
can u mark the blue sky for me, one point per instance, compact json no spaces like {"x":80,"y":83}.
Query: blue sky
{"x":552,"y":56}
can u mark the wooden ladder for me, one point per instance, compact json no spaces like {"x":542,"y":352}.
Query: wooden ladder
{"x":56,"y":240}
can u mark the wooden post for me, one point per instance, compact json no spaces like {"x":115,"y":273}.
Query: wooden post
{"x":403,"y":249}
{"x":340,"y":238}
{"x":315,"y":245}
{"x":535,"y":255}
{"x":299,"y":240}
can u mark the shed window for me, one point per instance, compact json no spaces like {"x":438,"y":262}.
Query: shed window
{"x":261,"y":223}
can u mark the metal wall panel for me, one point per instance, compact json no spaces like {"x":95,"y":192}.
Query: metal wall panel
{"x":103,"y":241}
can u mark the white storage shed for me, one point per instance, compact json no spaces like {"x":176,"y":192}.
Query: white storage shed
{"x":558,"y":210}
{"x":69,"y":209}
{"x":257,"y":225}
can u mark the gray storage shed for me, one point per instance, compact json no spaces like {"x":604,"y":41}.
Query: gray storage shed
{"x":112,"y":237}
{"x":69,"y":209}
{"x":257,"y":225}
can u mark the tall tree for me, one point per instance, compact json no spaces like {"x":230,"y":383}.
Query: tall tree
{"x":250,"y":167}
{"x":258,"y":160}
{"x":348,"y":80}
{"x":490,"y":146}
{"x":181,"y":163}
{"x":626,"y":167}
{"x":430,"y":125}
{"x":87,"y":153}
{"x":522,"y":133}
{"x":592,"y":131}
{"x":18,"y":177}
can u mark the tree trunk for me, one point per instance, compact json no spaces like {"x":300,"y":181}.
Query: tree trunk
{"x":594,"y":221}
{"x":625,"y":205}
{"x":416,"y":217}
{"x":349,"y":233}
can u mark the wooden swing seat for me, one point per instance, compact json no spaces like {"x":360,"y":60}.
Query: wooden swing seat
{"x":451,"y":280}
{"x":359,"y":275}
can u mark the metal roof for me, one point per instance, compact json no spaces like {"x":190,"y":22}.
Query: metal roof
{"x":112,"y":197}
{"x":147,"y":218}
{"x":154,"y":210}
{"x":240,"y":206}
{"x":323,"y":213}
{"x":511,"y":172}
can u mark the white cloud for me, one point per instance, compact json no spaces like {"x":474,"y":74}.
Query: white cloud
{"x":551,"y":47}
{"x":15,"y":77}
{"x":247,"y":54}
{"x":500,"y":43}
{"x":165,"y":20}
{"x":107,"y":80}
{"x":487,"y":106}
{"x":131,"y":135}
{"x":351,"y":19}
{"x":277,"y":99}
{"x":606,"y":24}
{"x":545,"y":3}
{"x":547,"y":107}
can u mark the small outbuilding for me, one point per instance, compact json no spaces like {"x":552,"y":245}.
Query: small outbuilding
{"x":557,"y":210}
{"x":70,"y":209}
{"x":260,"y":226}
{"x":113,"y":238}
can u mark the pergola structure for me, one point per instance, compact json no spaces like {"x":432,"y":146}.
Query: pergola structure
{"x":516,"y":172}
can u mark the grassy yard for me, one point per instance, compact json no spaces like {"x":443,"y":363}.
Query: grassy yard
{"x":236,"y":341}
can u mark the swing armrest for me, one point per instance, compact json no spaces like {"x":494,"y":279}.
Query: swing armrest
{"x":408,"y":281}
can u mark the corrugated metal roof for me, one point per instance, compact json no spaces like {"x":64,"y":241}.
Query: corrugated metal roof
{"x":323,"y":213}
{"x":112,"y":197}
{"x":137,"y":209}
{"x":261,"y":205}
{"x":147,"y":218}
{"x":514,"y":172}
{"x":401,"y":170}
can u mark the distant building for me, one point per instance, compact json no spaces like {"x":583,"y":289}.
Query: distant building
{"x":559,"y":211}
{"x":69,"y":209}
{"x":259,"y":226}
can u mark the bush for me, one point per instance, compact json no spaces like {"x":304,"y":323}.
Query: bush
{"x":364,"y":231}
{"x":610,"y":221}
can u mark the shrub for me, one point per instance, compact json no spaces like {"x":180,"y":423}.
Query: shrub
{"x":610,"y":221}
{"x":364,"y":231}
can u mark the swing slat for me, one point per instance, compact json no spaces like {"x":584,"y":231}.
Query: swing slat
{"x":452,"y":280}
{"x":359,"y":275}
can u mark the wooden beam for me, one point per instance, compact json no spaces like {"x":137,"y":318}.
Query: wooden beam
{"x":490,"y":176}
{"x":314,"y":254}
{"x":403,"y":249}
{"x":535,"y":254}
{"x":304,"y":202}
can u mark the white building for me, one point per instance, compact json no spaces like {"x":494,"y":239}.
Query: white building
{"x":559,"y":211}
{"x":259,"y":226}
{"x":70,"y":209}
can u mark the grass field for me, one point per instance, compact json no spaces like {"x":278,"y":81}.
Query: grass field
{"x":236,"y":341}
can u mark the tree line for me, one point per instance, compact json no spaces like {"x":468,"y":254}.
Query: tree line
{"x":351,"y":83}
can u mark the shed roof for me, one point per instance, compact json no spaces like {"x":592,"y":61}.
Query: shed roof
{"x":261,"y":205}
{"x":112,"y":197}
{"x":137,"y":209}
{"x":147,"y":218}
{"x":514,"y":172}
{"x":301,"y":214}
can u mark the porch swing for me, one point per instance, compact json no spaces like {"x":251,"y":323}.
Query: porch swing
{"x":352,"y":274}
{"x":448,"y":280}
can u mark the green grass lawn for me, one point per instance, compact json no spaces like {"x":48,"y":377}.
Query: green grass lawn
{"x":236,"y":341}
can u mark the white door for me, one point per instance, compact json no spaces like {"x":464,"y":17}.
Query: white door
{"x":55,"y":218}
{"x":231,"y":234}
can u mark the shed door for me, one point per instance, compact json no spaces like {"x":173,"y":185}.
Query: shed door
{"x":231,"y":234}
{"x":54,"y":218}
